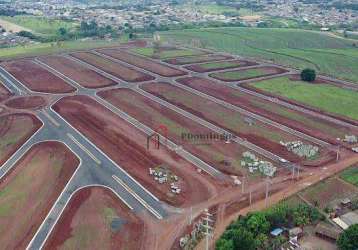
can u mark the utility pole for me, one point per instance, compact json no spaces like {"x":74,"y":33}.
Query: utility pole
{"x":207,"y":227}
{"x":267,"y":190}
{"x":293,"y":172}
{"x":250,"y":195}
{"x":191,"y":216}
{"x":243,"y":185}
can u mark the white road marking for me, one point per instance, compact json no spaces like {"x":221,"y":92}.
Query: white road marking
{"x":51,"y":119}
{"x":137,"y":197}
{"x":84,"y":148}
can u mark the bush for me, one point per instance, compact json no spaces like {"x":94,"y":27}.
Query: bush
{"x":348,"y":240}
{"x":308,"y":75}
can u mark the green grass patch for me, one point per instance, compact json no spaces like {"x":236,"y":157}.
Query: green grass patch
{"x":350,"y":175}
{"x":239,"y":74}
{"x":166,"y":54}
{"x":292,"y":47}
{"x":323,"y":96}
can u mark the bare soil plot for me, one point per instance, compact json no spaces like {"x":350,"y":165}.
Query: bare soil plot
{"x":213,"y":66}
{"x":26,"y":102}
{"x":4,"y":92}
{"x":118,"y":70}
{"x":244,"y":74}
{"x":15,"y":130}
{"x":225,"y":157}
{"x":37,"y":78}
{"x":144,"y":63}
{"x":263,"y":135}
{"x":167,"y":52}
{"x":95,"y":218}
{"x":197,"y":59}
{"x":77,"y":72}
{"x":329,"y":192}
{"x":29,"y":191}
{"x":305,"y":123}
{"x":126,"y":145}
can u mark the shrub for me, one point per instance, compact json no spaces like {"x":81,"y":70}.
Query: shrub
{"x":308,"y":75}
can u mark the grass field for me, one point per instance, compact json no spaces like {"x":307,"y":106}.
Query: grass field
{"x":51,"y":48}
{"x":215,"y":65}
{"x":350,"y":175}
{"x":166,"y":54}
{"x":40,"y":25}
{"x":323,"y":96}
{"x":293,"y":47}
{"x":235,"y":75}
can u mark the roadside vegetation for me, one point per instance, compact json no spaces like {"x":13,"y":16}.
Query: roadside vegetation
{"x":300,"y":49}
{"x":350,"y":175}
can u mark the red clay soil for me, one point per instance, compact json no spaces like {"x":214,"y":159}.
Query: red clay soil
{"x":220,"y":116}
{"x":116,"y":69}
{"x":323,"y":130}
{"x":300,"y":104}
{"x":26,"y":102}
{"x":236,"y":64}
{"x":197,"y":59}
{"x":78,"y":72}
{"x":143,"y":63}
{"x":86,"y":208}
{"x":153,"y":115}
{"x":266,"y":71}
{"x":17,"y":231}
{"x":126,"y":145}
{"x":37,"y":78}
{"x":4,"y":92}
{"x":31,"y":123}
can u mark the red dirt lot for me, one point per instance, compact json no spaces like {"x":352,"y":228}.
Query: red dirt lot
{"x":264,"y":71}
{"x":86,"y":223}
{"x":126,"y":145}
{"x":118,"y":70}
{"x":4,"y":92}
{"x":197,"y":59}
{"x":15,"y":130}
{"x":234,"y":64}
{"x":30,"y":189}
{"x":26,"y":102}
{"x":223,"y":156}
{"x":259,"y":133}
{"x":37,"y":78}
{"x":305,"y":123}
{"x":77,"y":72}
{"x":144,"y":63}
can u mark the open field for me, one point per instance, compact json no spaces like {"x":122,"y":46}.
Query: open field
{"x":143,"y":63}
{"x":4,"y":92}
{"x":36,"y":78}
{"x":167,"y":53}
{"x":126,"y":145}
{"x":197,"y":59}
{"x":217,"y":153}
{"x":116,"y":69}
{"x":300,"y":121}
{"x":77,"y":72}
{"x":39,"y":25}
{"x":254,"y":131}
{"x":15,"y":129}
{"x":30,"y":189}
{"x":212,"y":66}
{"x":243,"y":74}
{"x":95,"y":218}
{"x":350,"y":175}
{"x":325,"y":97}
{"x":26,"y":102}
{"x":328,"y":193}
{"x":11,"y":26}
{"x":292,"y":47}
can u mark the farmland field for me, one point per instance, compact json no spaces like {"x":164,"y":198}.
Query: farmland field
{"x":95,"y":218}
{"x":197,"y":59}
{"x":237,"y":75}
{"x":30,"y":189}
{"x":297,"y":48}
{"x":326,"y":97}
{"x":308,"y":124}
{"x":167,"y":53}
{"x":350,"y":175}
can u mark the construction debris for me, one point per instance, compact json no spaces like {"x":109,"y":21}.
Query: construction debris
{"x":163,"y":175}
{"x":253,"y":163}
{"x":351,"y":139}
{"x":301,"y":149}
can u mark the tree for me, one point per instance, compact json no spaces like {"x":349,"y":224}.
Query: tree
{"x":241,"y":239}
{"x":258,"y":224}
{"x":308,"y":75}
{"x":348,"y":240}
{"x":62,"y":31}
{"x":223,"y":244}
